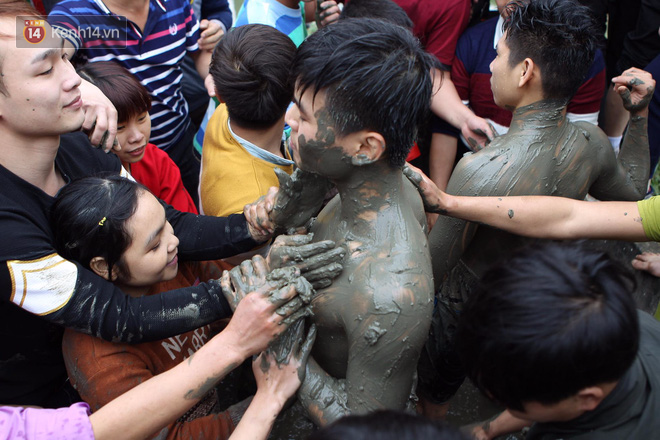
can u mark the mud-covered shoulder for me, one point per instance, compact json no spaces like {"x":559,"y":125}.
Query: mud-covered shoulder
{"x":594,"y":135}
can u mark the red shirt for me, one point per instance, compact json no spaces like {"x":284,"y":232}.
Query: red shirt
{"x":160,"y":174}
{"x":438,"y":24}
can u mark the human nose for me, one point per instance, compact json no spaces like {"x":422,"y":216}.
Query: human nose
{"x":292,"y":116}
{"x":173,"y":244}
{"x":135,"y":136}
{"x":72,"y":79}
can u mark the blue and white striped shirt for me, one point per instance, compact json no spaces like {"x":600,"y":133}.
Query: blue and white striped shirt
{"x":153,"y":54}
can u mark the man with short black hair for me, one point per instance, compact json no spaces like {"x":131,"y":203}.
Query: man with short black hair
{"x":542,"y":58}
{"x":552,"y":333}
{"x":362,"y":86}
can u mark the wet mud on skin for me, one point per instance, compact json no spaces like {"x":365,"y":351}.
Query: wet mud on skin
{"x":542,"y":154}
{"x":373,"y":320}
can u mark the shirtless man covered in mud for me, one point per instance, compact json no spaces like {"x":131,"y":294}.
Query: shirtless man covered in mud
{"x":543,"y":56}
{"x":362,"y":86}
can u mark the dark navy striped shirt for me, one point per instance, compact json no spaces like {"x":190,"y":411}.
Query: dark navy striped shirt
{"x":153,"y":55}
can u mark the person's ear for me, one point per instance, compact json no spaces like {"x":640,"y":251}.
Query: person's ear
{"x":527,"y":71}
{"x":589,"y":398}
{"x":100,"y":267}
{"x":370,"y":148}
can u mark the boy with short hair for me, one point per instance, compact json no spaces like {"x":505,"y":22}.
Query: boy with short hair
{"x":362,"y":87}
{"x":244,"y":143}
{"x":552,"y":333}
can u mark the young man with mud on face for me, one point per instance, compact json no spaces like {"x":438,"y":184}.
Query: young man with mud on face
{"x":362,"y":86}
{"x":543,"y":56}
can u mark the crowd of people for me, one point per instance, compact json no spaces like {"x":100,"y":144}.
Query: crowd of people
{"x":219,"y":224}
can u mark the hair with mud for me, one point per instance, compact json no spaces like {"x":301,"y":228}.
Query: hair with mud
{"x":89,"y":220}
{"x":375,"y":76}
{"x":250,"y":68}
{"x":560,"y":36}
{"x":129,"y":97}
{"x":547,"y":322}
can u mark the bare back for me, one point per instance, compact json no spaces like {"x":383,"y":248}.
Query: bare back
{"x":543,"y":154}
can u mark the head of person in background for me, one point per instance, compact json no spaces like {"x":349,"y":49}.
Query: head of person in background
{"x":254,"y":83}
{"x":132,"y":102}
{"x":550,"y":331}
{"x":547,"y":49}
{"x":386,"y":10}
{"x":387,"y":425}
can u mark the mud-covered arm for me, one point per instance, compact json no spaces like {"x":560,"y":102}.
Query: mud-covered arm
{"x":384,"y":343}
{"x":627,"y":178}
{"x":536,"y":216}
{"x":65,"y":293}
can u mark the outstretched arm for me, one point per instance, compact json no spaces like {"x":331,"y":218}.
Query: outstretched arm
{"x":537,"y":216}
{"x":148,"y":407}
{"x":627,"y":178}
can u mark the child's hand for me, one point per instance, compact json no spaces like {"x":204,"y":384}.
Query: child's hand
{"x":212,"y":32}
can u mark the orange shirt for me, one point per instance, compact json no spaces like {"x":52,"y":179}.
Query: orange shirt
{"x":102,"y":370}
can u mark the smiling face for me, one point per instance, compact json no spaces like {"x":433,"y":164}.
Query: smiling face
{"x":316,"y":147}
{"x":133,"y":136}
{"x":152,"y":254}
{"x":42,"y":96}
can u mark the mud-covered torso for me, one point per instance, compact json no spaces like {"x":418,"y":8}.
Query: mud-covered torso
{"x":394,"y":254}
{"x":543,"y":154}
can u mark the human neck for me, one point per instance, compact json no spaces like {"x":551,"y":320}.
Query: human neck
{"x":134,"y":291}
{"x":543,"y":114}
{"x":33,"y":160}
{"x":370,"y":190}
{"x":269,"y":139}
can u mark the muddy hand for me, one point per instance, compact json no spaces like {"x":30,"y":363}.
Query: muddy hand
{"x":319,"y":262}
{"x":249,"y":276}
{"x":300,"y":198}
{"x":257,"y":215}
{"x":431,"y":195}
{"x":298,"y":307}
{"x":327,"y":11}
{"x":636,"y":89}
{"x":478,"y":132}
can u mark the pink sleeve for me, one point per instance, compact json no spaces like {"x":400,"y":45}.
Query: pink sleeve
{"x":47,"y":424}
